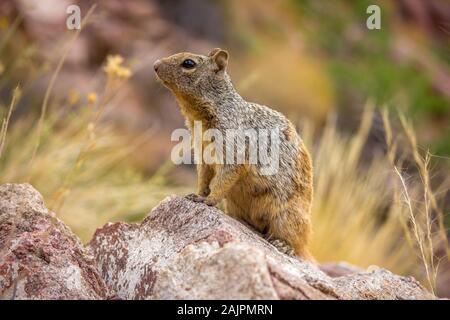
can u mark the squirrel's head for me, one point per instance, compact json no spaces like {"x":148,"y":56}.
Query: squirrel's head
{"x":190,"y":74}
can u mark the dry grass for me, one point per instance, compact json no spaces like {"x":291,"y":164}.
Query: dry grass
{"x":51,"y":84}
{"x":421,"y":214}
{"x":103,"y":187}
{"x":5,"y":123}
{"x":354,"y":216}
{"x":370,"y":214}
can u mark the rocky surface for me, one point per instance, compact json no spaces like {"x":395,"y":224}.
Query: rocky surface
{"x":182,"y":250}
{"x":40,"y":258}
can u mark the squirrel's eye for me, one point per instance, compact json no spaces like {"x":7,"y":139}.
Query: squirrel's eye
{"x":188,"y":64}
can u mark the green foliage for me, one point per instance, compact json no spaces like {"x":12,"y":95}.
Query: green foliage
{"x":362,"y":64}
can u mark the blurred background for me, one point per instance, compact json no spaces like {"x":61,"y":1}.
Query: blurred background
{"x":87,"y":124}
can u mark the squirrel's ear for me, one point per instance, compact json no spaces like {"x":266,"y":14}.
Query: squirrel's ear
{"x":220,"y":57}
{"x":213,"y":52}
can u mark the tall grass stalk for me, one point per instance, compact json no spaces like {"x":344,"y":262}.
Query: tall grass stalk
{"x":429,"y":195}
{"x":5,"y":123}
{"x":419,"y":215}
{"x":52,"y":83}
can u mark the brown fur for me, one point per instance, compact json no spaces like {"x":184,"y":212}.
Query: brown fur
{"x":278,"y":206}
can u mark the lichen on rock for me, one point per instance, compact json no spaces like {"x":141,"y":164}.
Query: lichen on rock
{"x":40,"y":258}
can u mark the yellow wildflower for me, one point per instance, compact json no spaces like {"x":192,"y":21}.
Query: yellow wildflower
{"x":115,"y":69}
{"x":2,"y":68}
{"x":115,"y":60}
{"x":124,"y":73}
{"x":92,"y":98}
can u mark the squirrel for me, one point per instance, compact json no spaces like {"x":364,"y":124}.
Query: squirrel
{"x":277,"y":205}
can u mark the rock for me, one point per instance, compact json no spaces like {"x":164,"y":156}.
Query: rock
{"x":40,"y":258}
{"x":182,"y":250}
{"x":185,"y":250}
{"x":339,"y":269}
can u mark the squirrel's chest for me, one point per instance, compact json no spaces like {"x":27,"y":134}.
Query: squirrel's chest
{"x":202,"y":139}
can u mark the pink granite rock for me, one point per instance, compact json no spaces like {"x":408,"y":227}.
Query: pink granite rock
{"x":40,"y":258}
{"x":185,"y":250}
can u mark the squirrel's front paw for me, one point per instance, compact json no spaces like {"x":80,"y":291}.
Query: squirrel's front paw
{"x":200,"y":199}
{"x":205,"y":192}
{"x":191,"y":196}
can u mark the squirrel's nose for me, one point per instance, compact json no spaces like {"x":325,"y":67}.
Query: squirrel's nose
{"x":156,"y":65}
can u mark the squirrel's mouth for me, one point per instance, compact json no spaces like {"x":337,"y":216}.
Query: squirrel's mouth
{"x":158,"y":78}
